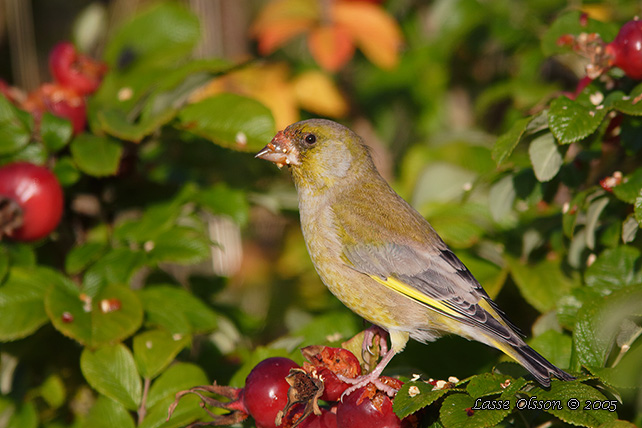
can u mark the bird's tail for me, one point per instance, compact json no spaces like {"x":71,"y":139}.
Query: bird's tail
{"x":539,"y":366}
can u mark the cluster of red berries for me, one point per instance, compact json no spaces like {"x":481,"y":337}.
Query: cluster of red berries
{"x":279,"y":393}
{"x":75,"y":76}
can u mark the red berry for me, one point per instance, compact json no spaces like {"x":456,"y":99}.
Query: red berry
{"x":327,"y":419}
{"x":60,"y":101}
{"x":367,"y":407}
{"x":626,"y":49}
{"x":75,"y":70}
{"x":328,"y":363}
{"x":31,"y":201}
{"x":266,"y":390}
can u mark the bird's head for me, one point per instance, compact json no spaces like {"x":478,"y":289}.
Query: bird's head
{"x":319,"y":152}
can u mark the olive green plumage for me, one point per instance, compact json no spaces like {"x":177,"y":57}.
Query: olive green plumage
{"x":379,"y":256}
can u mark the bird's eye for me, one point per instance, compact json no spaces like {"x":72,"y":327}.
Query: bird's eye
{"x":310,"y":139}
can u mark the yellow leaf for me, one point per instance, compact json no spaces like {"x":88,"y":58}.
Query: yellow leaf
{"x":331,"y":46}
{"x":374,"y":31}
{"x":316,"y":92}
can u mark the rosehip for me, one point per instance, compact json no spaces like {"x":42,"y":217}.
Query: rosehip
{"x":266,"y":390}
{"x":368,"y":407}
{"x":31,"y":201}
{"x":75,"y":70}
{"x":328,"y":363}
{"x":60,"y":101}
{"x":626,"y":49}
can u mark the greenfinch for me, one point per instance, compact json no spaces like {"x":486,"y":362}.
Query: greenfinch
{"x":380,"y":257}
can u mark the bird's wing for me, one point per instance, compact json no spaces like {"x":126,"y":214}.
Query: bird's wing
{"x":435,"y":278}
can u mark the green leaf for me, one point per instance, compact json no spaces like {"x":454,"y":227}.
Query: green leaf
{"x":187,"y":411}
{"x":628,"y":104}
{"x":501,"y":198}
{"x":507,"y":142}
{"x":456,"y":412}
{"x":614,"y":268}
{"x":600,"y":321}
{"x":4,"y":263}
{"x":154,"y":350}
{"x":177,"y":310}
{"x":111,"y":370}
{"x":55,"y":131}
{"x":541,"y":284}
{"x":53,"y":391}
{"x":22,"y":301}
{"x":571,"y":121}
{"x":230,"y":120}
{"x":25,"y":416}
{"x":158,"y":36}
{"x":220,"y":199}
{"x":593,"y":213}
{"x":630,"y":188}
{"x":80,"y":257}
{"x":97,"y":156}
{"x":178,"y":377}
{"x":545,"y":157}
{"x":407,"y":403}
{"x":554,"y":346}
{"x":488,"y":384}
{"x":14,"y":133}
{"x":180,"y":245}
{"x":116,"y":267}
{"x":565,"y":395}
{"x":108,"y":413}
{"x":66,"y":171}
{"x":638,"y":208}
{"x":112,"y":315}
{"x":630,"y":228}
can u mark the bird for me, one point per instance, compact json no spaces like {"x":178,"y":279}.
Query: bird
{"x":380,"y":257}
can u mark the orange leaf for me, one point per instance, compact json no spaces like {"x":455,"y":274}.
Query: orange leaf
{"x":316,"y":92}
{"x":331,"y":46}
{"x":281,"y":20}
{"x":375,"y":32}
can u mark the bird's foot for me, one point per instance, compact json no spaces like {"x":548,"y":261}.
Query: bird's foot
{"x":374,"y":337}
{"x":362,"y":381}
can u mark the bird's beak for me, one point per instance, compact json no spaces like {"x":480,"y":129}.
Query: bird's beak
{"x":280,"y":150}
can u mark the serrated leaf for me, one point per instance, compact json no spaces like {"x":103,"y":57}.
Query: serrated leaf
{"x":112,"y":315}
{"x":220,"y":199}
{"x":456,"y":412}
{"x":22,"y":299}
{"x":187,"y":411}
{"x":55,"y":131}
{"x":97,"y":156}
{"x":154,"y":350}
{"x":171,"y":307}
{"x":507,"y":142}
{"x":613,"y":269}
{"x":571,"y":121}
{"x":542,"y":284}
{"x":545,"y":157}
{"x":108,"y":413}
{"x":111,"y":370}
{"x":629,"y":104}
{"x":488,"y":384}
{"x":554,"y":346}
{"x":562,"y":393}
{"x":422,"y":396}
{"x":230,"y":120}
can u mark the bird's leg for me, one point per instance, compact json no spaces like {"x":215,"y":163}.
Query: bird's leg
{"x":373,"y":336}
{"x":372,"y":377}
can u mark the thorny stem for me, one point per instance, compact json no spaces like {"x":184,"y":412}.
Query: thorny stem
{"x":142,"y":410}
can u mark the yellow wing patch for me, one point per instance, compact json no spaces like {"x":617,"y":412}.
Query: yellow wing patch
{"x":406,"y":290}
